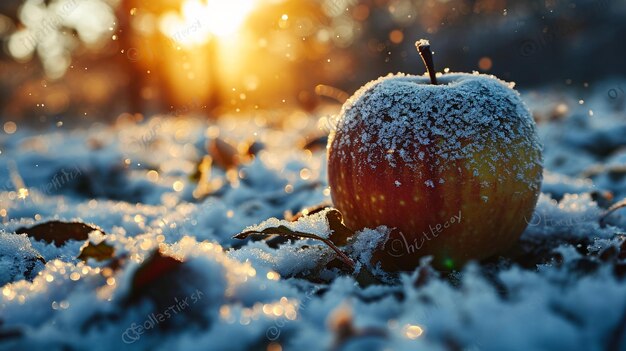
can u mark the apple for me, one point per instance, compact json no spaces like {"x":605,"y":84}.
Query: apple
{"x":451,"y":162}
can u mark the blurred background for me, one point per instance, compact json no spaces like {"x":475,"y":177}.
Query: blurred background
{"x":81,"y":61}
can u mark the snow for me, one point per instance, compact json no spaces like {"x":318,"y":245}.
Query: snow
{"x":17,"y":258}
{"x":245,"y":295}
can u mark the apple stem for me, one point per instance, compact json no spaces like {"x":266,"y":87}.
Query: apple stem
{"x":423,"y":47}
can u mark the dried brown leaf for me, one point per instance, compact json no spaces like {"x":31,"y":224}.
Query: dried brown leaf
{"x":59,"y":232}
{"x":99,"y":252}
{"x":339,"y":232}
{"x":224,"y":154}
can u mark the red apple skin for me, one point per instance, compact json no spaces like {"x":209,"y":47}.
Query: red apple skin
{"x":490,"y":192}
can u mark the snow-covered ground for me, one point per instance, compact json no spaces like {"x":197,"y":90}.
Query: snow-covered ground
{"x":152,"y":186}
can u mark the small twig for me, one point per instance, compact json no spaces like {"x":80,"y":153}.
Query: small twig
{"x":599,"y":169}
{"x":284,"y":231}
{"x":610,"y":210}
{"x":331,"y":92}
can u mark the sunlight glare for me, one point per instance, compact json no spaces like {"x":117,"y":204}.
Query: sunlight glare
{"x":225,"y":17}
{"x":200,"y":20}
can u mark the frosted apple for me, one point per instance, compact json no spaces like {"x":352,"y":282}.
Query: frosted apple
{"x":455,"y":167}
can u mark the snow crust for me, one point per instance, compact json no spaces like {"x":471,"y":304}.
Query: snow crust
{"x":250,"y":294}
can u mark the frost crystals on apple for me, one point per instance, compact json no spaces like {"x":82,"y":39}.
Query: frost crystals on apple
{"x":414,"y":118}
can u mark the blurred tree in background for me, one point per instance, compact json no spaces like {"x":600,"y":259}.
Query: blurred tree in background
{"x":93,"y":60}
